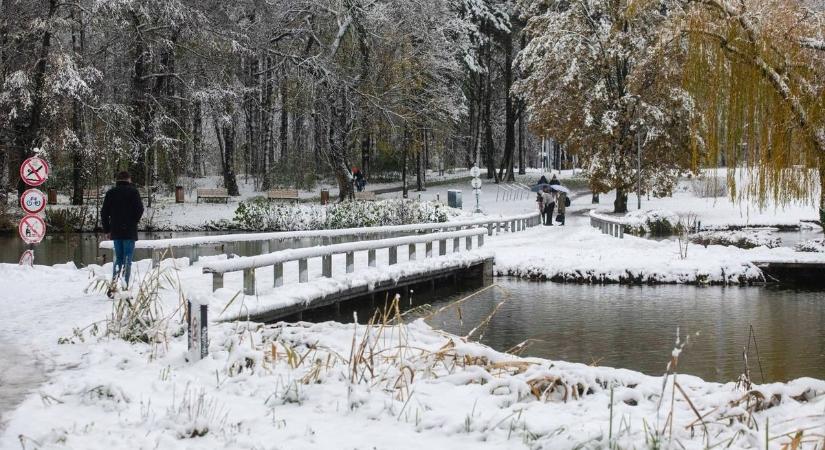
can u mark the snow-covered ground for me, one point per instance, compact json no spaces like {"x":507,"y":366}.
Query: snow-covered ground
{"x":333,"y":385}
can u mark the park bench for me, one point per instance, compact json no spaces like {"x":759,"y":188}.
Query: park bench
{"x":366,"y":195}
{"x":212,"y":194}
{"x":282,"y":194}
{"x":93,"y":194}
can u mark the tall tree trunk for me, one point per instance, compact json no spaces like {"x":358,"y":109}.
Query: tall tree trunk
{"x":197,"y":168}
{"x":620,"y":204}
{"x":404,"y":151}
{"x":228,"y":137}
{"x":506,"y":172}
{"x":489,"y":152}
{"x":284,"y":132}
{"x":28,"y":133}
{"x":521,"y":130}
{"x":141,"y":118}
{"x":77,"y":120}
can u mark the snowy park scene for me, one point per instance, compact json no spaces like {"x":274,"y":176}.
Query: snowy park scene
{"x":412,"y":224}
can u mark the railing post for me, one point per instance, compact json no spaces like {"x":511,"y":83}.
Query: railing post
{"x":442,"y":247}
{"x":468,"y":243}
{"x":480,"y":240}
{"x":371,"y":258}
{"x":155,"y":257}
{"x":456,"y":245}
{"x":411,"y":252}
{"x":195,"y":254}
{"x":512,"y":226}
{"x":350,"y":262}
{"x":489,"y":229}
{"x":249,"y":281}
{"x":303,"y":271}
{"x":497,"y":223}
{"x":326,"y":266}
{"x":217,"y":281}
{"x":621,"y":231}
{"x":428,"y":248}
{"x":393,"y":255}
{"x":278,"y":274}
{"x":264,"y":247}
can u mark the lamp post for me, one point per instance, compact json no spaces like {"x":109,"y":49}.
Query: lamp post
{"x":476,"y":184}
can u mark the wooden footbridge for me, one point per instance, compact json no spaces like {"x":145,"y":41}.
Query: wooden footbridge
{"x":369,"y":263}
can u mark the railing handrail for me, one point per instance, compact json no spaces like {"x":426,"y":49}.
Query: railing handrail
{"x":158,"y":244}
{"x":282,"y":256}
{"x":595,"y":215}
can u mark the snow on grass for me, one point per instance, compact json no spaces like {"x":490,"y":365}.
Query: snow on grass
{"x":812,"y":246}
{"x":385,"y":385}
{"x":737,"y":238}
{"x":582,"y":254}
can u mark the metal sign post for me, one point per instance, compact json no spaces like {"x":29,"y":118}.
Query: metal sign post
{"x":476,"y":184}
{"x":34,"y":172}
{"x":197,"y":328}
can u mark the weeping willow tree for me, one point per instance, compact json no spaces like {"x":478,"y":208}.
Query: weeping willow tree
{"x":757,"y":76}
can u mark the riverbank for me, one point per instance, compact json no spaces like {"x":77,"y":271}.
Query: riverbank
{"x":392,"y":386}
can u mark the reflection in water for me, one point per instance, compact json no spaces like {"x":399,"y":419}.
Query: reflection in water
{"x":82,"y":248}
{"x":635,"y":327}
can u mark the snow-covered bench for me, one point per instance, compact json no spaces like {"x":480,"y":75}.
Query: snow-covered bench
{"x":248,"y":264}
{"x":365,"y":195}
{"x":283,"y":194}
{"x":212,"y":194}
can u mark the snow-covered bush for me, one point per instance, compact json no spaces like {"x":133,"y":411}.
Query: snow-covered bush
{"x":261,"y":215}
{"x":706,"y":187}
{"x":811,"y":246}
{"x":654,"y":222}
{"x":737,"y":238}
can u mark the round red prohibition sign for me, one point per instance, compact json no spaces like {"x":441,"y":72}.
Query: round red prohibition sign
{"x":32,"y":229}
{"x":34,"y":171}
{"x":33,"y":201}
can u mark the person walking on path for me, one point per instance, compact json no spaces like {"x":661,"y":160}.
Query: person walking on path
{"x":554,"y":180}
{"x":540,"y":203}
{"x":562,"y":208}
{"x":549,"y":200}
{"x":120,"y":214}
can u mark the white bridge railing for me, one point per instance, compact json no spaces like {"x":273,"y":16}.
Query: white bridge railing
{"x":494,"y":225}
{"x":248,"y":264}
{"x":608,"y":225}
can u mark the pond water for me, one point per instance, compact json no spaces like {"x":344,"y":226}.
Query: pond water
{"x":82,"y":248}
{"x":635,"y":327}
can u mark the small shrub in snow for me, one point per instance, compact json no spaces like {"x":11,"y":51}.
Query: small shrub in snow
{"x":739,"y":238}
{"x":706,"y":187}
{"x":261,"y":215}
{"x":654,"y":222}
{"x":811,"y":246}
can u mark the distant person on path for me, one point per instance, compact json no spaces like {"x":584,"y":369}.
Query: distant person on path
{"x":562,"y":208}
{"x":549,"y":199}
{"x":554,"y":180}
{"x":540,"y":203}
{"x":120,"y":214}
{"x":542,"y":180}
{"x":360,"y":181}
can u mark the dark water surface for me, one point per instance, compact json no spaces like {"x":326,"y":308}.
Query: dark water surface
{"x":82,"y":248}
{"x":635,"y":327}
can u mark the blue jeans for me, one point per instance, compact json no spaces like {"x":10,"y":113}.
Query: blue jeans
{"x":124,"y":249}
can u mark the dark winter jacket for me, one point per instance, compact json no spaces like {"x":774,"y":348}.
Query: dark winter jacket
{"x":554,"y":181}
{"x":121,"y":211}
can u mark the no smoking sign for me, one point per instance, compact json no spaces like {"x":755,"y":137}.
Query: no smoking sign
{"x":32,"y":229}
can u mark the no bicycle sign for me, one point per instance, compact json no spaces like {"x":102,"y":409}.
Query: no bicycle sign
{"x":34,"y":171}
{"x":33,"y":201}
{"x":32,"y":229}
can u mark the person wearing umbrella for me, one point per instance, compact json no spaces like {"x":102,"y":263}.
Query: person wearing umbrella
{"x":549,"y":199}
